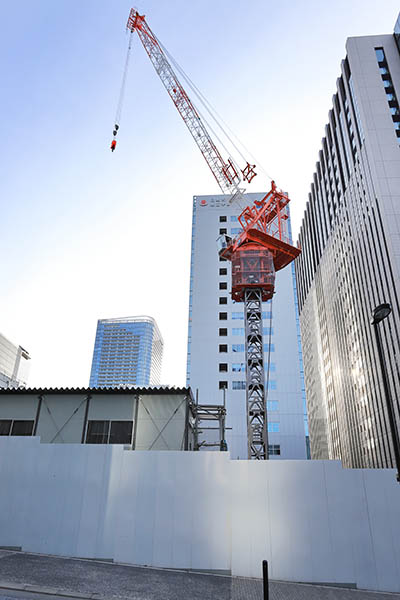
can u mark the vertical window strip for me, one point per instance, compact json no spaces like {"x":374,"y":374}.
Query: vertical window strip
{"x":389,"y":89}
{"x":360,"y":129}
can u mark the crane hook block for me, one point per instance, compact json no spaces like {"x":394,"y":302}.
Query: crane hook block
{"x":116,"y":126}
{"x":113,"y":144}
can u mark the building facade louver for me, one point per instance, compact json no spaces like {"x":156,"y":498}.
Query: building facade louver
{"x":350,"y":261}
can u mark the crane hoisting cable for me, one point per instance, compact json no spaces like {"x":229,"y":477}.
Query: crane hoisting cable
{"x":121,"y":95}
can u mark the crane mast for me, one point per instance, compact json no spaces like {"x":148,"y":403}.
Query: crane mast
{"x":256,"y":253}
{"x":261,"y":249}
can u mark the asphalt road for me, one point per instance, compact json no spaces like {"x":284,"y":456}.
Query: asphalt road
{"x":26,"y":576}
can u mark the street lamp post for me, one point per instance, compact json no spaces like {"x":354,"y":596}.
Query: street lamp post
{"x":379,"y":313}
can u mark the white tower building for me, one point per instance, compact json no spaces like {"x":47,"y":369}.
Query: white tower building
{"x":216,"y":357}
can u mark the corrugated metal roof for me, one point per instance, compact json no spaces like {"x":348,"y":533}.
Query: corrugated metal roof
{"x":158,"y":389}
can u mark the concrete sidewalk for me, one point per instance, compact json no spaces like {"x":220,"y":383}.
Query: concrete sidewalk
{"x":25,"y":575}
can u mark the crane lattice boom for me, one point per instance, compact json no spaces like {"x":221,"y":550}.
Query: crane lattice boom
{"x":225,"y":173}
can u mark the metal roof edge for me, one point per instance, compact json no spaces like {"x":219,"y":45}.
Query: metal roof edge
{"x":162,"y":389}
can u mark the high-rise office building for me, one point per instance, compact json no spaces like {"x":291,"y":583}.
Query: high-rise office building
{"x":127,"y":351}
{"x":350,"y":261}
{"x":216,"y":353}
{"x":14,"y":367}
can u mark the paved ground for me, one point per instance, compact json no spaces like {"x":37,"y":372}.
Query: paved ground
{"x":32,"y":576}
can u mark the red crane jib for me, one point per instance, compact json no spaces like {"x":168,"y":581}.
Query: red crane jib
{"x":225,"y":172}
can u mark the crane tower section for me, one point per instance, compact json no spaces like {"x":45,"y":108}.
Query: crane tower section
{"x":261,"y":249}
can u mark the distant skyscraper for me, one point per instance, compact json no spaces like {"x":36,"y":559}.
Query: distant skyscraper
{"x":350,"y":261}
{"x":216,"y":353}
{"x":14,"y":366}
{"x":127,"y":351}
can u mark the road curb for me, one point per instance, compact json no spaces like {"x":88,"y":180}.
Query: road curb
{"x":5,"y":585}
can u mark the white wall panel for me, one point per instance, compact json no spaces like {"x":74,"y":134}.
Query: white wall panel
{"x":312,"y":520}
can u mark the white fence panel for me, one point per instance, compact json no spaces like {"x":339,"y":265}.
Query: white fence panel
{"x":312,"y":520}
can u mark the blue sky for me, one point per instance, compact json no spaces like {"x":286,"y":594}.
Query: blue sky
{"x":85,"y":234}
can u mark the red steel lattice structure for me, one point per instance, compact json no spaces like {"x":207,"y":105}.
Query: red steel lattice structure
{"x":225,"y":172}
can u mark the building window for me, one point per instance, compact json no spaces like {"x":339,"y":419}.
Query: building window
{"x":223,"y":316}
{"x":238,"y":315}
{"x":274,"y":449}
{"x":222,"y":219}
{"x":223,"y":385}
{"x":234,"y":219}
{"x":222,"y":231}
{"x":272,"y":405}
{"x":17,"y":427}
{"x":238,"y":385}
{"x":273,"y":427}
{"x":236,"y":230}
{"x":223,"y":367}
{"x":223,"y":271}
{"x":5,"y":426}
{"x":237,"y":347}
{"x":109,"y":432}
{"x":238,"y":331}
{"x":223,"y":347}
{"x":223,"y":331}
{"x":223,"y":285}
{"x":223,"y":300}
{"x":380,"y":54}
{"x":221,"y":258}
{"x":236,"y":367}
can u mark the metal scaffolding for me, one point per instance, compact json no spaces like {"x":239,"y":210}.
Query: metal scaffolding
{"x":209,"y":412}
{"x":257,"y":437}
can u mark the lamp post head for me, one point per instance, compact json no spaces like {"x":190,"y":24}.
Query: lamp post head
{"x":380,"y":312}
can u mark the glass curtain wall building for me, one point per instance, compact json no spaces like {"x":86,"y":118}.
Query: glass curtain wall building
{"x":216,"y":352}
{"x":350,"y":261}
{"x":14,"y":365}
{"x":127,"y":351}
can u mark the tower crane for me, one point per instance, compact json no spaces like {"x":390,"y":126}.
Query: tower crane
{"x":256,"y":253}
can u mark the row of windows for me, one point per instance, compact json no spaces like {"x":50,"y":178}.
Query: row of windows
{"x":240,"y":367}
{"x":240,"y":348}
{"x":234,"y":230}
{"x":241,"y":385}
{"x":236,"y":316}
{"x":389,"y":89}
{"x":98,"y":432}
{"x":223,"y":219}
{"x":240,"y":331}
